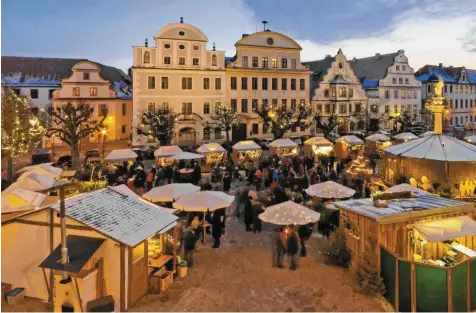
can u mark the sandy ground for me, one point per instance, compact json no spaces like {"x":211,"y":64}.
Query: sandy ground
{"x":239,"y":276}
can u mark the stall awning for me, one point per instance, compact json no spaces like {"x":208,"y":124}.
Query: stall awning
{"x":446,"y":229}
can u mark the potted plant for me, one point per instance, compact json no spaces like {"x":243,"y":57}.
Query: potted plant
{"x":182,"y":267}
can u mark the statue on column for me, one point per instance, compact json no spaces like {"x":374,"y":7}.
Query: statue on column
{"x":439,"y":87}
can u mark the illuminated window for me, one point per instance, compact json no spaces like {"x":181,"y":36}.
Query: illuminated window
{"x":342,"y":91}
{"x":333,"y":91}
{"x":76,"y":92}
{"x":93,"y":91}
{"x":403,"y":94}
{"x":265,"y":62}
{"x":274,"y":62}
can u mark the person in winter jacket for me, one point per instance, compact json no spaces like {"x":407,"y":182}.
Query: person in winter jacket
{"x":216,"y":228}
{"x":257,"y":210}
{"x":248,"y":214}
{"x":139,"y":181}
{"x":190,"y":238}
{"x":292,"y":246}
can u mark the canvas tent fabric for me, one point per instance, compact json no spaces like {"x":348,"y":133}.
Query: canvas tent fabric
{"x":170,"y":192}
{"x":351,"y":140}
{"x":318,"y":141}
{"x":283,"y":143}
{"x":329,"y":190}
{"x":201,"y":202}
{"x":210,"y":147}
{"x":121,"y":155}
{"x":166,"y":151}
{"x":377,"y":137}
{"x":20,"y":199}
{"x":405,"y":136}
{"x":246,"y":145}
{"x":186,"y":156}
{"x":447,"y":229}
{"x":288,"y":213}
{"x":80,"y":251}
{"x":33,"y":181}
{"x":126,"y":219}
{"x":407,"y":187}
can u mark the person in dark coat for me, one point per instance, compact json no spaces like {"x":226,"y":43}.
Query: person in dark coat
{"x":292,"y":247}
{"x":139,"y":181}
{"x":368,"y":192}
{"x":216,"y":228}
{"x":248,"y":214}
{"x":258,"y":209}
{"x":168,"y":173}
{"x":226,"y":182}
{"x":190,"y":238}
{"x":304,"y":233}
{"x":197,"y":174}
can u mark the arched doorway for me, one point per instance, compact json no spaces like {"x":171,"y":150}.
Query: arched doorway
{"x":360,"y":125}
{"x":187,"y":137}
{"x":352,"y":126}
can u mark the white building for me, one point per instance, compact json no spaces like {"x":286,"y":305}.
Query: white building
{"x":459,"y":90}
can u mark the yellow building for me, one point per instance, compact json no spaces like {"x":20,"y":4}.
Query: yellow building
{"x":266,"y":69}
{"x":102,"y":87}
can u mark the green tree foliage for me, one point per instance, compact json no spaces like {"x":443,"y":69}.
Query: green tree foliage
{"x":366,"y":272}
{"x":335,"y":249}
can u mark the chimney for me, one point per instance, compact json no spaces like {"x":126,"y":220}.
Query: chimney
{"x":214,"y":47}
{"x":146,"y":43}
{"x":377,"y":56}
{"x":244,"y":35}
{"x":440,"y":65}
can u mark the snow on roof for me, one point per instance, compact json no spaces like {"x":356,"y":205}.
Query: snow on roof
{"x":377,"y":137}
{"x":435,"y":147}
{"x":246,"y":145}
{"x":283,"y":143}
{"x":406,"y":136}
{"x":167,"y":151}
{"x":210,"y":147}
{"x":126,"y":219}
{"x":318,"y":141}
{"x":351,"y":140}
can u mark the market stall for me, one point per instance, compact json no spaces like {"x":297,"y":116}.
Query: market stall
{"x":359,"y":167}
{"x":404,"y":137}
{"x":317,"y":146}
{"x":376,"y":142}
{"x":247,"y":150}
{"x":121,"y":155}
{"x":163,"y":153}
{"x":213,"y":152}
{"x":347,"y":145}
{"x":170,"y":192}
{"x":284,"y":147}
{"x":471,"y":139}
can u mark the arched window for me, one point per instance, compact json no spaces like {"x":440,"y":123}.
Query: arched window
{"x":214,"y":60}
{"x":146,"y":57}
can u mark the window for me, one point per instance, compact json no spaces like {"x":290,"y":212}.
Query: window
{"x":274,"y":83}
{"x":165,"y":83}
{"x":244,"y":105}
{"x":85,"y":76}
{"x":400,"y":81}
{"x":195,"y":61}
{"x":264,"y":83}
{"x":206,"y":83}
{"x":50,"y":93}
{"x":186,"y":83}
{"x":351,"y":92}
{"x":181,"y":47}
{"x":181,"y":33}
{"x":234,"y":105}
{"x":341,"y":65}
{"x":218,"y":83}
{"x":146,"y":57}
{"x":456,"y":103}
{"x":466,"y":89}
{"x":124,"y":109}
{"x":451,"y":88}
{"x":318,"y":107}
{"x":34,"y":111}
{"x":302,"y":84}
{"x":333,"y":91}
{"x":265,"y":62}
{"x":397,"y":67}
{"x":76,"y":92}
{"x":428,"y":88}
{"x":293,"y":105}
{"x":409,"y":93}
{"x":93,"y":91}
{"x":123,"y":129}
{"x":451,"y":103}
{"x":415,"y":94}
{"x":415,"y":108}
{"x":395,"y":94}
{"x":217,"y":107}
{"x":407,"y":81}
{"x":151,"y":82}
{"x":342,"y":91}
{"x":254,"y":62}
{"x":254,"y":105}
{"x":284,"y":104}
{"x":16,"y":91}
{"x":151,"y":107}
{"x":244,"y":83}
{"x":328,"y":108}
{"x":293,"y":63}
{"x":293,"y":84}
{"x":166,"y":60}
{"x":284,"y":84}
{"x":167,"y":46}
{"x":446,"y":89}
{"x":326,"y":93}
{"x":186,"y":108}
{"x":165,"y":105}
{"x":395,"y":108}
{"x":343,"y":109}
{"x":466,"y":103}
{"x":244,"y":61}
{"x":233,"y":83}
{"x":217,"y":133}
{"x":284,"y":63}
{"x":214,"y":60}
{"x":464,"y":78}
{"x":471,"y":102}
{"x":181,"y":61}
{"x":274,"y":102}
{"x":254,"y":83}
{"x":404,"y":67}
{"x":255,"y":128}
{"x":274,"y":62}
{"x":394,"y":80}
{"x":34,"y":93}
{"x":102,"y":110}
{"x":403,"y":94}
{"x":264,"y":103}
{"x":358,"y":108}
{"x":195,"y":47}
{"x":460,"y":89}
{"x":387,"y":109}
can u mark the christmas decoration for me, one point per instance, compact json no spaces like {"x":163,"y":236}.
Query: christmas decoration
{"x":158,"y":123}
{"x":360,"y":166}
{"x":366,"y":272}
{"x":224,"y":120}
{"x":336,"y":250}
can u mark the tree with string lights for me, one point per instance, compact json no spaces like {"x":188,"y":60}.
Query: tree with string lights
{"x":279,"y":120}
{"x":71,"y":123}
{"x":158,"y":123}
{"x":21,"y":129}
{"x":224,"y":120}
{"x":327,"y":123}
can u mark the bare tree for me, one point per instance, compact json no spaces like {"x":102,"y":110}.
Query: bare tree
{"x":327,"y":123}
{"x":279,"y":120}
{"x":159,"y":123}
{"x":224,"y":120}
{"x":71,"y":123}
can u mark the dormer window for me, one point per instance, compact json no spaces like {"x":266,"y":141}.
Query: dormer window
{"x":181,"y":33}
{"x":464,"y":78}
{"x":146,"y":57}
{"x":340,"y":65}
{"x":85,"y":76}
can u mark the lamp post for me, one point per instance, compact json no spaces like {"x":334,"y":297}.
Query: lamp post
{"x":103,"y":132}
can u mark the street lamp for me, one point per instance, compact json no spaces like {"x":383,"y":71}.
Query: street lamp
{"x":103,"y":132}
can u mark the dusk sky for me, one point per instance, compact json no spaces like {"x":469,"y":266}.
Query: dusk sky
{"x":104,"y":31}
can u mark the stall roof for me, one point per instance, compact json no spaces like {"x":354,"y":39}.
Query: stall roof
{"x":127,"y":192}
{"x":246,"y":145}
{"x":283,"y":143}
{"x":318,"y":141}
{"x":210,"y":147}
{"x":406,"y":136}
{"x":121,"y":155}
{"x":377,"y":137}
{"x":80,"y":250}
{"x":447,"y":228}
{"x":351,"y":140}
{"x":165,"y":151}
{"x":404,"y":209}
{"x":124,"y":218}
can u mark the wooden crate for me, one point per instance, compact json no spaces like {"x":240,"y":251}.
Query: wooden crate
{"x":166,"y":280}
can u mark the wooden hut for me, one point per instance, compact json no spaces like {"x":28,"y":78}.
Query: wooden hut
{"x":347,"y":144}
{"x":246,"y":150}
{"x":403,"y":229}
{"x":376,"y":142}
{"x":284,"y":147}
{"x":404,"y":137}
{"x":316,"y":146}
{"x":213,"y":152}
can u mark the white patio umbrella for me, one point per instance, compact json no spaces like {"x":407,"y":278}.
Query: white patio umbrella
{"x":407,"y":187}
{"x":121,"y":155}
{"x":330,"y":189}
{"x":221,"y":195}
{"x":186,"y":156}
{"x":201,"y":202}
{"x":19,"y":199}
{"x":165,"y":151}
{"x":170,"y":192}
{"x":288,"y":213}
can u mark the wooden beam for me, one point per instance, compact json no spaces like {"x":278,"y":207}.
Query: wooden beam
{"x":52,"y":247}
{"x":46,"y":282}
{"x":77,"y":292}
{"x":468,"y":286}
{"x":449,"y":282}
{"x":123,"y":278}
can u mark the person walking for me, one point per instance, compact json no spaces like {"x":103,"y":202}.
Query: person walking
{"x":304,"y":233}
{"x":150,"y":178}
{"x":216,"y":228}
{"x":197,"y":174}
{"x":226,"y":182}
{"x":190,"y":239}
{"x":139,"y":181}
{"x":280,"y":246}
{"x":257,"y":210}
{"x":248,"y":214}
{"x":292,"y":247}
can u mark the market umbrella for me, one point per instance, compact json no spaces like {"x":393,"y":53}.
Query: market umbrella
{"x":202,"y":201}
{"x":121,"y":155}
{"x":19,"y":199}
{"x":170,"y":192}
{"x":221,"y":195}
{"x":186,"y":156}
{"x":165,"y":151}
{"x":407,"y":187}
{"x":329,"y":190}
{"x":288,"y":213}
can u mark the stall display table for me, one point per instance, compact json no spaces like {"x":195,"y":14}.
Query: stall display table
{"x":160,"y":261}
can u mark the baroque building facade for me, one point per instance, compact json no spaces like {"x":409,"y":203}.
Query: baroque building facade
{"x":336,"y":89}
{"x":459,"y":91}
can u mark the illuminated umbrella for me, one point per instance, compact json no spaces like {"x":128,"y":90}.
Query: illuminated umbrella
{"x":170,"y":192}
{"x":329,"y":190}
{"x":288,"y":213}
{"x":19,"y":199}
{"x":203,"y":201}
{"x":186,"y":156}
{"x":407,"y":187}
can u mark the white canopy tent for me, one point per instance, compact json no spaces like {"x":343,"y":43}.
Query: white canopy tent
{"x":170,"y":192}
{"x":246,"y":145}
{"x":283,"y":143}
{"x":318,"y":141}
{"x":407,"y":187}
{"x":288,"y":213}
{"x":351,"y":140}
{"x":186,"y":156}
{"x":447,"y":229}
{"x":330,"y":190}
{"x":19,"y":199}
{"x":405,"y":136}
{"x":202,"y":201}
{"x":210,"y":147}
{"x":44,"y":168}
{"x":121,"y":155}
{"x":377,"y":137}
{"x":166,"y":151}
